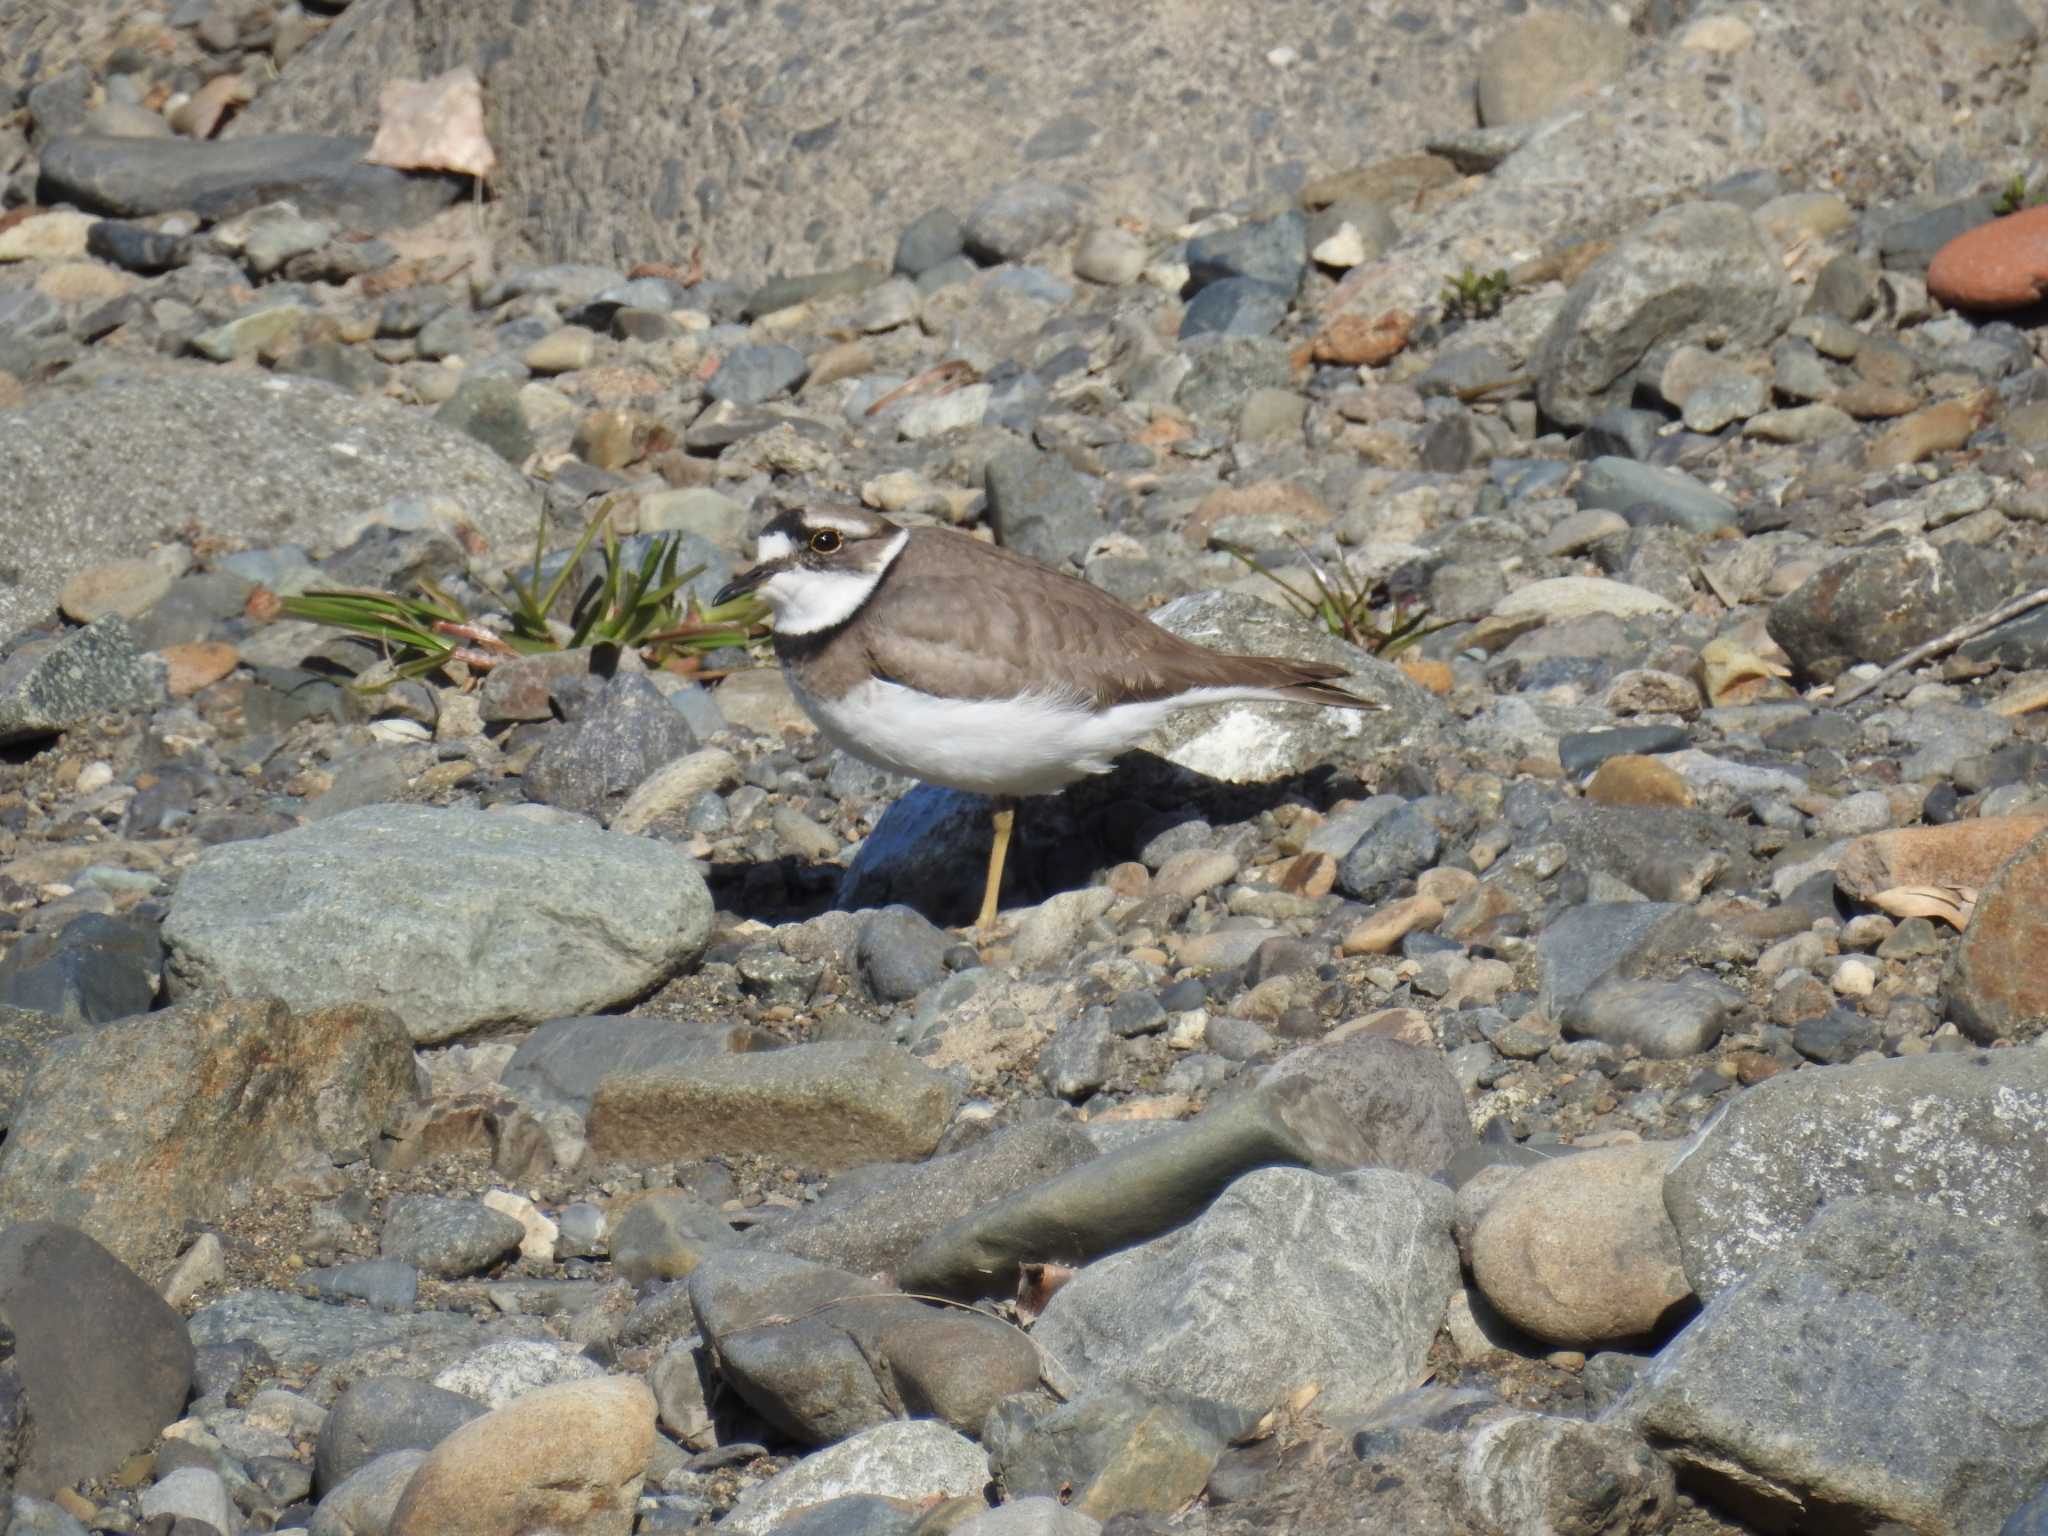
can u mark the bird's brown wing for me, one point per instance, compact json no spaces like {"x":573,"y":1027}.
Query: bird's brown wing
{"x":971,"y":621}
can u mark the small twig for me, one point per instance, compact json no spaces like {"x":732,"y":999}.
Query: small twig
{"x":955,"y":373}
{"x":1942,"y":644}
{"x":488,"y":639}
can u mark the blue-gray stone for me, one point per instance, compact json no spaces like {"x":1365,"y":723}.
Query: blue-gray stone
{"x":754,"y":373}
{"x":93,"y":969}
{"x":927,"y":242}
{"x":901,"y":953}
{"x":1625,"y":486}
{"x":47,"y":686}
{"x":384,"y":1414}
{"x":449,"y":1238}
{"x":1398,"y":847}
{"x":1620,"y":431}
{"x":1271,"y":251}
{"x":1016,"y":219}
{"x":1040,"y":506}
{"x":384,"y":1283}
{"x":592,"y":764}
{"x":1584,"y":944}
{"x":1236,"y":306}
{"x":1581,"y":752}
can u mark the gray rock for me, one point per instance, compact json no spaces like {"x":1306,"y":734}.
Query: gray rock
{"x":1662,"y":1019}
{"x":459,"y":918}
{"x":449,"y":1238}
{"x":325,"y":178}
{"x":383,"y":1414}
{"x":1544,"y":61}
{"x":1667,"y":854}
{"x":125,"y":1132}
{"x":93,"y":969}
{"x":753,"y":374}
{"x":382,"y":1283}
{"x":1621,"y":485}
{"x":1836,"y":1037}
{"x":664,"y":1235}
{"x":1581,"y":752}
{"x":1137,"y":1191}
{"x":1043,"y":1515}
{"x":820,"y":1356}
{"x":780,"y":293}
{"x":563,"y":1060}
{"x":1273,"y":251}
{"x":50,"y":685}
{"x":1914,"y":1334}
{"x":191,"y":1496}
{"x":928,"y":852}
{"x":2031,"y":1518}
{"x":1080,"y":1057}
{"x":916,"y":1460}
{"x":1909,"y":244}
{"x":158,"y":437}
{"x":900,"y":953}
{"x":1109,"y":1451}
{"x":489,"y":410}
{"x":829,"y":1105}
{"x":1243,"y":743}
{"x":1224,"y":369}
{"x":602,"y":755}
{"x":33,"y":330}
{"x":1018,"y":218}
{"x":25,"y":1034}
{"x":1393,"y":852}
{"x":1620,"y":431}
{"x":928,"y":241}
{"x":1402,"y":1099}
{"x":1959,"y":1131}
{"x":2020,"y":644}
{"x":102,"y":1362}
{"x":1586,"y":944}
{"x":1876,"y":603}
{"x":1695,"y":272}
{"x":363,"y":1503}
{"x":321,"y":1341}
{"x":1039,"y":506}
{"x":870,"y":1228}
{"x":1289,"y":1277}
{"x":1236,"y":306}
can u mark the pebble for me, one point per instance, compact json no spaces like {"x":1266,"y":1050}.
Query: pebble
{"x":1999,"y":265}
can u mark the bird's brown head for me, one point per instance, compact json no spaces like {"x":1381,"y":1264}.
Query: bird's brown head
{"x":815,"y":567}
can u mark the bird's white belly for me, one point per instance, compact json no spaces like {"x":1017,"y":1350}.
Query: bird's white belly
{"x":1023,"y":746}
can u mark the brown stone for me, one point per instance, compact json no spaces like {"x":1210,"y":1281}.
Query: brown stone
{"x":1636,"y":779}
{"x":1868,"y":400}
{"x":1312,"y":875}
{"x":200,"y":664}
{"x":1354,"y":341}
{"x":569,"y":1457}
{"x":126,"y":587}
{"x":1997,"y":987}
{"x":1938,"y":429}
{"x":1387,"y":927}
{"x":1963,"y":853}
{"x":2000,"y":265}
{"x":1398,"y":180}
{"x":1580,"y":1251}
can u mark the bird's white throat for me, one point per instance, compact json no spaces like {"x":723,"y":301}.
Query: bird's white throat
{"x":811,"y":602}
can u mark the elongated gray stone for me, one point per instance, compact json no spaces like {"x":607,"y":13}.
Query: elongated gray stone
{"x":1136,"y":1192}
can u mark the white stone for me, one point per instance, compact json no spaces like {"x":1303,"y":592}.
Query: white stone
{"x":913,"y":1459}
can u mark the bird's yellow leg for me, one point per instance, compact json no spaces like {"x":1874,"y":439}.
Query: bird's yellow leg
{"x":1005,"y":818}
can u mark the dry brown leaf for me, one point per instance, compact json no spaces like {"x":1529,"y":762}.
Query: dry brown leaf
{"x":1732,"y":670}
{"x":1036,"y":1284}
{"x":1953,"y":904}
{"x":434,"y":125}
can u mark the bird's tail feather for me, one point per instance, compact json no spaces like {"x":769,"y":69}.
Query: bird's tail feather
{"x":1310,"y":682}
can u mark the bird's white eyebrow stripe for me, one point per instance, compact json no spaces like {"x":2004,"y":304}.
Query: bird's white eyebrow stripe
{"x":773,"y":546}
{"x":845,"y":525}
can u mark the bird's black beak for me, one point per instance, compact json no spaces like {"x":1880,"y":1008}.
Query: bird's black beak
{"x":740,"y":586}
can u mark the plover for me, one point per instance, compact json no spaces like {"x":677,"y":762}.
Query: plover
{"x":931,"y":654}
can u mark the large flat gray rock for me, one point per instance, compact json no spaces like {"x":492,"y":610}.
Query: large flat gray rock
{"x":1880,"y":1371}
{"x":1961,"y":1132}
{"x":454,"y":919}
{"x":1289,"y":1277}
{"x":96,"y":470}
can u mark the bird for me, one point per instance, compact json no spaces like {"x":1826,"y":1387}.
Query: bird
{"x":931,"y":654}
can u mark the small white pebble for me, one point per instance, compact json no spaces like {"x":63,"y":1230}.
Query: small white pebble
{"x":1283,"y":57}
{"x":1855,"y":978}
{"x":95,"y":775}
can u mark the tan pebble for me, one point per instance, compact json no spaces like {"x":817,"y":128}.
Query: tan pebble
{"x":1637,"y":779}
{"x":562,"y":351}
{"x":1313,"y":875}
{"x":83,"y":282}
{"x":1718,"y":34}
{"x":1195,"y":872}
{"x":1938,"y":429}
{"x":1446,"y":884}
{"x":1385,"y":928}
{"x":75,"y":1504}
{"x":1129,"y":878}
{"x":124,"y":587}
{"x":1868,"y":400}
{"x":56,"y":234}
{"x":200,"y":664}
{"x":1353,"y":340}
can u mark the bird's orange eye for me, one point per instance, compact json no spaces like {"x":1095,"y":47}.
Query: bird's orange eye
{"x":826,"y":541}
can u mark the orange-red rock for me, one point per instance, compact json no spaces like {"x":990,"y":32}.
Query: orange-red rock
{"x":189,"y":668}
{"x":1635,"y":779}
{"x":2000,"y":265}
{"x":1353,"y":340}
{"x":1965,"y":853}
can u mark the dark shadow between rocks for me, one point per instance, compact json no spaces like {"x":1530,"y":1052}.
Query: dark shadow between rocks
{"x":930,"y":849}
